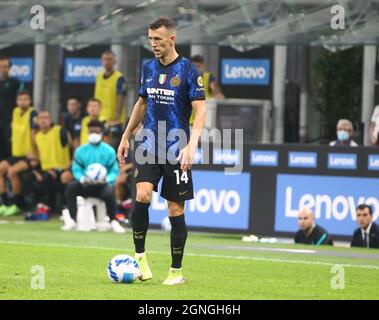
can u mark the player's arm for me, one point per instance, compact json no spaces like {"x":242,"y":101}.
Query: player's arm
{"x":216,"y":90}
{"x":187,"y":154}
{"x":136,"y":118}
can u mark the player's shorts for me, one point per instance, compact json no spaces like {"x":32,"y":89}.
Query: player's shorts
{"x":13,"y":160}
{"x":176,"y":185}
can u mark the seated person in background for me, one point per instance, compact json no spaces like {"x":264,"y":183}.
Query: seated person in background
{"x":72,"y":120}
{"x":96,"y":151}
{"x":93,"y":111}
{"x":309,"y":232}
{"x":344,"y":135}
{"x":367,"y":235}
{"x":23,"y":130}
{"x":54,"y":157}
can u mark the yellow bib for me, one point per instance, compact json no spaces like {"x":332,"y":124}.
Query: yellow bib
{"x":21,"y":132}
{"x":106,"y":92}
{"x":84,"y":129}
{"x":51,"y":153}
{"x":208,"y":94}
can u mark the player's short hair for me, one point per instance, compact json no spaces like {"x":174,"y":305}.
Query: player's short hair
{"x":94,"y":100}
{"x":96,"y":123}
{"x":3,"y":57}
{"x":74,"y":97}
{"x":24,"y":93}
{"x":108,"y":51}
{"x":365,"y":206}
{"x":197,"y":58}
{"x":166,"y":22}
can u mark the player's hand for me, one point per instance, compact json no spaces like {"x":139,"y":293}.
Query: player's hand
{"x":186,"y":156}
{"x":122,"y":151}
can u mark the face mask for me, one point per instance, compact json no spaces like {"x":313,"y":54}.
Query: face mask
{"x":342,"y":135}
{"x":94,"y":138}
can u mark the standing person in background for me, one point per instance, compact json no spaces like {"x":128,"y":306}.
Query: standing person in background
{"x":9,"y":87}
{"x":24,"y":127}
{"x":211,"y":86}
{"x":110,"y":89}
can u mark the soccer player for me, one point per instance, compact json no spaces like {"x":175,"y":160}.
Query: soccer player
{"x":170,"y":88}
{"x":23,"y":129}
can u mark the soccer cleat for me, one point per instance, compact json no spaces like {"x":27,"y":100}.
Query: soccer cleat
{"x":143,"y":267}
{"x":11,"y":210}
{"x":2,"y":209}
{"x":174,"y":277}
{"x":116,"y":227}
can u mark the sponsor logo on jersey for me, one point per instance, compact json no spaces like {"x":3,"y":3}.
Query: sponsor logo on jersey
{"x":162,"y":78}
{"x":175,"y":81}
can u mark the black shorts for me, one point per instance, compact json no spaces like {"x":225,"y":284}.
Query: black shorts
{"x":176,"y":185}
{"x":13,"y":160}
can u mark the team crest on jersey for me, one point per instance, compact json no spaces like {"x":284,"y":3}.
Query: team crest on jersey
{"x":200,"y":81}
{"x":175,"y":81}
{"x":162,"y":78}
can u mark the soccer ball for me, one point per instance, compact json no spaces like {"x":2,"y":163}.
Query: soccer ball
{"x":123,"y":269}
{"x":96,"y":172}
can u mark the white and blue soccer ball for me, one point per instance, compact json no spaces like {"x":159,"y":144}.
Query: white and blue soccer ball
{"x":96,"y":172}
{"x":123,"y":269}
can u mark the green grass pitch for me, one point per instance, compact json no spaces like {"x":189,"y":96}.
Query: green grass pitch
{"x":216,"y":266}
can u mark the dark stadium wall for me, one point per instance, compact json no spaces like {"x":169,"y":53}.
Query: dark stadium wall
{"x":22,"y":51}
{"x":84,"y":90}
{"x":243,"y":89}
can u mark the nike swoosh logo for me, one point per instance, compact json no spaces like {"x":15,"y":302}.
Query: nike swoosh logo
{"x":148,"y":80}
{"x":181,"y":193}
{"x":176,"y":248}
{"x":138,"y":232}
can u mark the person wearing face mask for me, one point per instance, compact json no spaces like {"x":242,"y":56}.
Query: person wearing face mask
{"x":95,"y":151}
{"x":344,"y":135}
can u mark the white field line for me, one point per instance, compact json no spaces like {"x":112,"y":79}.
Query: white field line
{"x":217,"y":256}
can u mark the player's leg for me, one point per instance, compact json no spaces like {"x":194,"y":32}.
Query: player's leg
{"x":176,"y":188}
{"x":178,"y":237}
{"x":4,"y":166}
{"x":140,"y":225}
{"x":14,"y":177}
